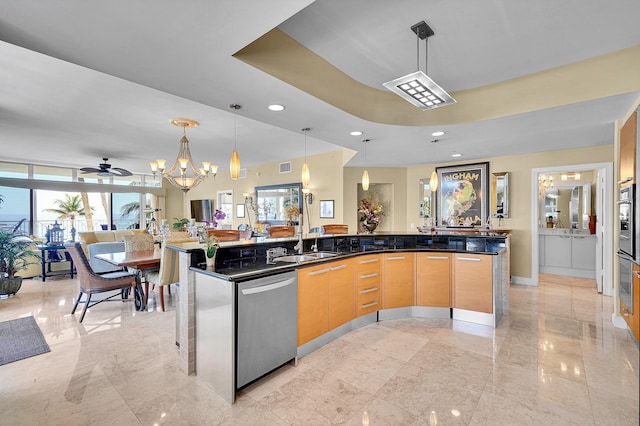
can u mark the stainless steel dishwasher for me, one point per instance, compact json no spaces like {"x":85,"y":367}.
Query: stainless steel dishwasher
{"x":267,"y":326}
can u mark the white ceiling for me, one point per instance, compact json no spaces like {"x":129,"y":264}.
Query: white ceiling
{"x":82,"y":80}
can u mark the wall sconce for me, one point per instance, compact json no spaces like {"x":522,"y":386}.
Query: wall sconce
{"x":308,"y":196}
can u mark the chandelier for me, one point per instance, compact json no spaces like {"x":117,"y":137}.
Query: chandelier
{"x":183,"y":174}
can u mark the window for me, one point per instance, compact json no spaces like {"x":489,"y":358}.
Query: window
{"x":15,"y":209}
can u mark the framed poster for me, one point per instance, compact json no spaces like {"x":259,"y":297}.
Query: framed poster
{"x":326,"y":209}
{"x":463,"y":198}
{"x":239,"y":210}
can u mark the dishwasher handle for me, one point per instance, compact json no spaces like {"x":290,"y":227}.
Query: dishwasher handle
{"x":268,"y":287}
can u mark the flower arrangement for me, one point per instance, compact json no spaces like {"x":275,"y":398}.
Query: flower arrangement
{"x":217,"y":215}
{"x":370,"y":210}
{"x":292,"y":212}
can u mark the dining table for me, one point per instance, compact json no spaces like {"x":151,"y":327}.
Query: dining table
{"x":140,"y":261}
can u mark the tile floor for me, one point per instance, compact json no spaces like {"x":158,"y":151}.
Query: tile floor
{"x":555,"y":360}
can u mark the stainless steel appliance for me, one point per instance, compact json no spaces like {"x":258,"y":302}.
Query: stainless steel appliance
{"x":627,"y":228}
{"x":625,"y":275}
{"x":267,"y":325}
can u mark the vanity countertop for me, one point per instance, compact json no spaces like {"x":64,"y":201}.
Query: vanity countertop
{"x":565,"y":231}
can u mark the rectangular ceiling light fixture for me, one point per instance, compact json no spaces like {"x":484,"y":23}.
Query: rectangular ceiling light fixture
{"x":417,"y":87}
{"x":420,"y":90}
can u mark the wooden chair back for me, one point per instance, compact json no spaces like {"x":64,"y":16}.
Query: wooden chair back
{"x":282,"y":231}
{"x":225,"y":234}
{"x":336,"y":229}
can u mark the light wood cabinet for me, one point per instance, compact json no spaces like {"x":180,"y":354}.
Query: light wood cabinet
{"x":433,"y":279}
{"x":633,"y":319}
{"x":398,"y":281}
{"x":326,"y":295}
{"x":628,"y":137}
{"x":368,"y":273}
{"x":342,"y":293}
{"x":473,"y":282}
{"x":313,"y":302}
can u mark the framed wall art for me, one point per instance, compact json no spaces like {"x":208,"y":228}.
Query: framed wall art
{"x":463,"y":197}
{"x":240,"y":210}
{"x":326,"y":209}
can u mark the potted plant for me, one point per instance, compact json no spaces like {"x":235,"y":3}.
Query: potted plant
{"x":16,"y":254}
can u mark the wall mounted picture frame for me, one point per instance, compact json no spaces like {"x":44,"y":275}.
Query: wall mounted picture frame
{"x":463,"y":195}
{"x":326,"y":209}
{"x":240,"y":210}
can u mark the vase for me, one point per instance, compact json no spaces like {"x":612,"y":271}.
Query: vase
{"x":211,"y":261}
{"x":368,"y":228}
{"x":9,"y":286}
{"x":592,"y":224}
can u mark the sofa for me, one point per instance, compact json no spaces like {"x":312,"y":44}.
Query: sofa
{"x":90,"y":237}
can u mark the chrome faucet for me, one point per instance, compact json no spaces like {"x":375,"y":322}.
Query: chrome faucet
{"x":300,"y":246}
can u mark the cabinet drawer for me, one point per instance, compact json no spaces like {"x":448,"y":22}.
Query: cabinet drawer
{"x":368,"y":279}
{"x":368,"y":264}
{"x":368,"y":300}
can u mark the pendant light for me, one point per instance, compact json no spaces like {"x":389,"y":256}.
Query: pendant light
{"x":365,"y":175}
{"x":234,"y":164}
{"x":433,"y":182}
{"x":305,"y":168}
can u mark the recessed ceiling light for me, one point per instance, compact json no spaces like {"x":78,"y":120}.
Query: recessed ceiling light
{"x":455,"y":154}
{"x":356,"y":133}
{"x":276,"y":107}
{"x":438,"y":133}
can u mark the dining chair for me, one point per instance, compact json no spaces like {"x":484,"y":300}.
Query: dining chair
{"x":336,"y":229}
{"x":167,"y":274}
{"x":92,"y":283}
{"x":282,"y":231}
{"x":225,"y":234}
{"x":138,"y":242}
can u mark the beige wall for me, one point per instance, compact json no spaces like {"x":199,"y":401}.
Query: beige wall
{"x":326,"y":172}
{"x":396,"y":220}
{"x":520,"y":208}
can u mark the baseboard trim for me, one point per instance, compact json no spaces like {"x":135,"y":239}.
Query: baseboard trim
{"x":522,"y":281}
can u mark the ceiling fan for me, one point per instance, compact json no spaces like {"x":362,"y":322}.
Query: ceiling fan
{"x":105,"y":170}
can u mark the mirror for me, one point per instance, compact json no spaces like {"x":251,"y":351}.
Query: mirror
{"x":500,"y":194}
{"x":279,"y":204}
{"x":567,"y":206}
{"x":425,"y":199}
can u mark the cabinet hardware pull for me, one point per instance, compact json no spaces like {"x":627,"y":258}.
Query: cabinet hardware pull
{"x":369,"y":261}
{"x":636,"y":273}
{"x":437,"y":257}
{"x":321,"y":271}
{"x":375,"y":274}
{"x":470,"y":259}
{"x":368,"y":305}
{"x":268,"y":287}
{"x":369,"y":290}
{"x":396,"y":258}
{"x":335,"y":268}
{"x":625,"y":180}
{"x":623,"y":202}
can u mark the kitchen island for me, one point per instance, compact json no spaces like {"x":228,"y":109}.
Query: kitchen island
{"x":361,"y":279}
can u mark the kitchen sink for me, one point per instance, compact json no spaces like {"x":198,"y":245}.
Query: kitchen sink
{"x":295,"y":258}
{"x":322,"y":254}
{"x":299,"y":258}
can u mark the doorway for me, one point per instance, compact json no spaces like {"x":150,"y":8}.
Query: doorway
{"x":603,"y":207}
